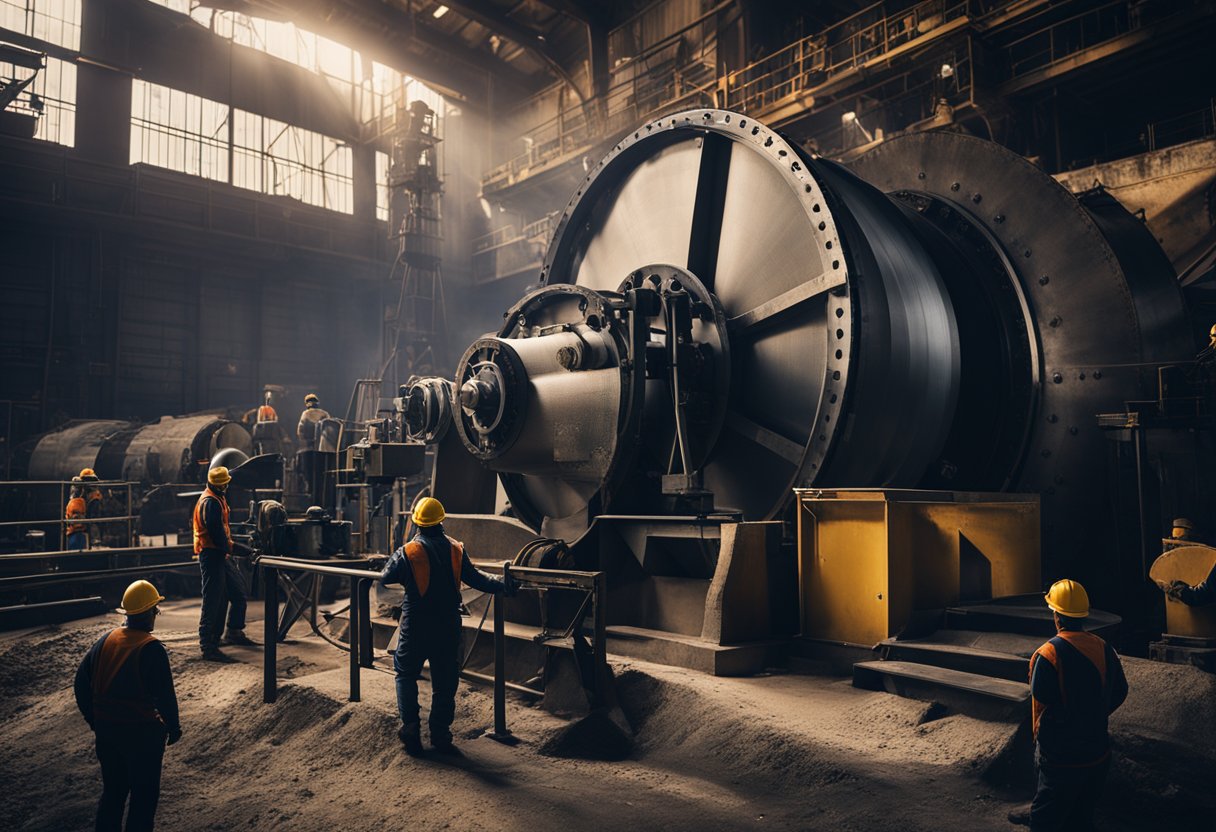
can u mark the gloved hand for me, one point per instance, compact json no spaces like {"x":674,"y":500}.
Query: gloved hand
{"x":510,"y":586}
{"x":174,"y":736}
{"x":1174,"y":590}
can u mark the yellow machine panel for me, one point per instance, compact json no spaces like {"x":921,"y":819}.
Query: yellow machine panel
{"x":869,"y":558}
{"x":1190,"y":563}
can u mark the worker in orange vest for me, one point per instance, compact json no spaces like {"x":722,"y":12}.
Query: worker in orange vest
{"x":431,"y":567}
{"x":92,"y":503}
{"x":266,"y":413}
{"x":1076,"y":683}
{"x":78,"y":535}
{"x":223,"y":584}
{"x":124,"y":689}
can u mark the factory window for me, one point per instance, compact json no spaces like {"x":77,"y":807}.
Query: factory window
{"x":179,"y":131}
{"x":369,"y":95}
{"x":53,"y":21}
{"x":277,"y":158}
{"x":51,"y":98}
{"x":381,"y":186}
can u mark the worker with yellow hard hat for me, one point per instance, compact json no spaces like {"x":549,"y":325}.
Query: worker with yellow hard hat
{"x":1076,"y":683}
{"x":77,"y":532}
{"x":124,"y":689}
{"x":223,"y":583}
{"x":92,"y":502}
{"x":431,"y":567}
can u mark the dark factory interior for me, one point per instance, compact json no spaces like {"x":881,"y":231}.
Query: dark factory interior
{"x":550,"y":414}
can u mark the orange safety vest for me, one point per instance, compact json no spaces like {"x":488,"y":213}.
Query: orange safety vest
{"x":75,"y":511}
{"x":421,"y":564}
{"x":1087,"y":644}
{"x":121,"y":645}
{"x":202,"y":538}
{"x":266,"y":413}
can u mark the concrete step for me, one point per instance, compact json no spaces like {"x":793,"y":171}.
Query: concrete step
{"x":692,"y":652}
{"x":1022,"y":614}
{"x":969,"y":693}
{"x":956,"y":657}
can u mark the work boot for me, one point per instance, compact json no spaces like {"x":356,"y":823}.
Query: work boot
{"x":213,"y":654}
{"x":238,"y":638}
{"x":443,"y":744}
{"x":1020,"y":816}
{"x":411,"y":739}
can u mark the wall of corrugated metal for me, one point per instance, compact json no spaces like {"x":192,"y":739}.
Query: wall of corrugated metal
{"x":144,"y":331}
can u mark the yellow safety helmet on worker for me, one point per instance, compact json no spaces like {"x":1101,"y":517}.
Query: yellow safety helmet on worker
{"x":140,"y":596}
{"x":428,"y":512}
{"x":219,"y":476}
{"x":1068,"y":598}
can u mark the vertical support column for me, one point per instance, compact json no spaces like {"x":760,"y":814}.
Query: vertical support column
{"x":365,"y":622}
{"x":363,"y":159}
{"x":270,"y":635}
{"x":356,"y":639}
{"x":599,"y":636}
{"x":500,"y":670}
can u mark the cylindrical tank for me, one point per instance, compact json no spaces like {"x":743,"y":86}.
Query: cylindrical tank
{"x":943,"y":315}
{"x":62,"y":454}
{"x":172,"y":449}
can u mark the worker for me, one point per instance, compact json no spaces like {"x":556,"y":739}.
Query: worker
{"x":308,"y":431}
{"x":92,"y":502}
{"x":1183,"y":529}
{"x":76,"y":510}
{"x":266,"y":413}
{"x":1076,"y":683}
{"x":1193,"y":596}
{"x":124,"y":689}
{"x":431,"y":567}
{"x":223,"y":584}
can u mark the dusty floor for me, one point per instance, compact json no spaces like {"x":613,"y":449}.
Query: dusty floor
{"x":779,"y":751}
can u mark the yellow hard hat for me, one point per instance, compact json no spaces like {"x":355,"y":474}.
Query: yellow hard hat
{"x":1068,"y":598}
{"x":85,"y":473}
{"x":140,"y":596}
{"x":428,"y":512}
{"x":218,"y":476}
{"x":311,"y":398}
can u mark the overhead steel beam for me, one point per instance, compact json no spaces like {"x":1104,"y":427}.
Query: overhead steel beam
{"x":392,"y":26}
{"x":529,"y":39}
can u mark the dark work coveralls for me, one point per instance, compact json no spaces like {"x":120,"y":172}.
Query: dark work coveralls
{"x":430,"y":627}
{"x":1204,"y":593}
{"x":124,"y":689}
{"x":1077,"y":682}
{"x":223,"y":584}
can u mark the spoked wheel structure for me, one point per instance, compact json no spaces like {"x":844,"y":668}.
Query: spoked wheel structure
{"x":724,"y":318}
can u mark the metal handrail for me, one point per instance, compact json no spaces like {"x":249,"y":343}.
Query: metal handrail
{"x":360,"y":633}
{"x":794,"y":69}
{"x":817,"y":58}
{"x":63,"y":522}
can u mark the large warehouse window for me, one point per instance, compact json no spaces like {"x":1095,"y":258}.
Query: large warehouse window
{"x":54,"y":21}
{"x":368,"y":94}
{"x":176,"y":130}
{"x":277,"y":158}
{"x":52,"y":97}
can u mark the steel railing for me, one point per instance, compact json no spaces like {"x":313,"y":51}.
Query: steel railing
{"x":592,"y":584}
{"x":61,"y":522}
